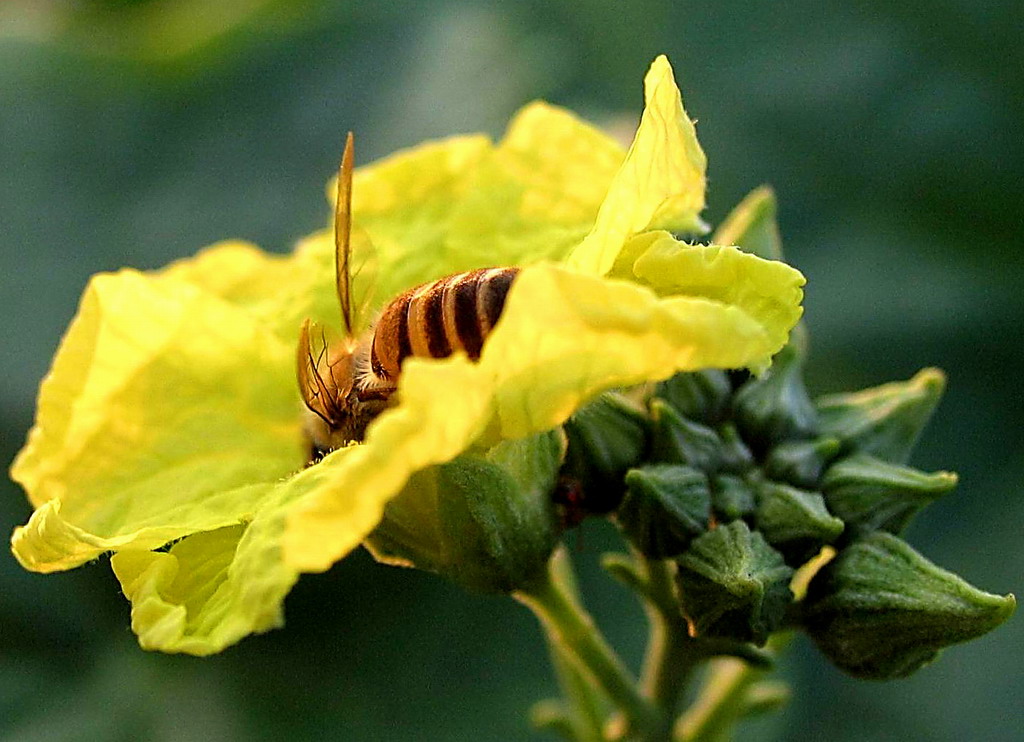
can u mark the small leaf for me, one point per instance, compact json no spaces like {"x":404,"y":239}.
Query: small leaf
{"x":751,"y":226}
{"x":666,"y":506}
{"x":801,"y":463}
{"x":606,"y":437}
{"x":880,"y":610}
{"x":409,"y":532}
{"x":733,"y":585}
{"x":794,"y":521}
{"x":625,"y":569}
{"x":873,"y":494}
{"x":885,"y":420}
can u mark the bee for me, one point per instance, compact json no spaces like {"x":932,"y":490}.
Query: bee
{"x":346,"y":385}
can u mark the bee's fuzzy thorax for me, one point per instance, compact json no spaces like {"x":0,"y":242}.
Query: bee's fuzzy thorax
{"x":362,"y":369}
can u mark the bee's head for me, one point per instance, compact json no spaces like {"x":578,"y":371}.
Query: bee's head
{"x":327,"y":385}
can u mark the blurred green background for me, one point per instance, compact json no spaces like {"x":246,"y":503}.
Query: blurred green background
{"x":133,"y":133}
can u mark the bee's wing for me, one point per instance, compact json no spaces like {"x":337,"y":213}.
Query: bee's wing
{"x":355,"y":257}
{"x":311,"y":383}
{"x":364,"y":266}
{"x":343,"y":235}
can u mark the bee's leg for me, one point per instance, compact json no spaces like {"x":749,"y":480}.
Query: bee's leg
{"x":316,"y":453}
{"x":375,"y":394}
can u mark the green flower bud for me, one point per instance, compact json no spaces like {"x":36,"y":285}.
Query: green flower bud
{"x":751,"y":225}
{"x":733,"y":585}
{"x":606,"y":437}
{"x":700,"y":395}
{"x":678,"y":440}
{"x":870,"y":494}
{"x":731,"y":497}
{"x":880,"y":610}
{"x":885,"y":420}
{"x":734,"y":454}
{"x":775,"y":406}
{"x":794,"y":521}
{"x":800,"y":463}
{"x":409,"y":534}
{"x":666,"y":506}
{"x":487,"y":521}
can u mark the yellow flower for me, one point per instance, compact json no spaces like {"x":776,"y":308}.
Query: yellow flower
{"x":171,"y":414}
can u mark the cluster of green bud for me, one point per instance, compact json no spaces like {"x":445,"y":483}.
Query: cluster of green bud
{"x":744,"y":485}
{"x":737,"y":481}
{"x":773,"y":511}
{"x":741,"y":480}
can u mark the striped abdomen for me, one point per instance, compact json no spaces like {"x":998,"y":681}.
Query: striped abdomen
{"x":436,"y":319}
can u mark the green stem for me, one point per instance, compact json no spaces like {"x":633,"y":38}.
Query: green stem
{"x":573,"y":631}
{"x":716,"y":709}
{"x":723,"y":698}
{"x":671,"y":657}
{"x":583,"y":706}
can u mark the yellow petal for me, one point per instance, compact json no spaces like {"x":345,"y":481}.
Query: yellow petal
{"x":661,"y":183}
{"x":463,"y":203}
{"x":538,"y":195}
{"x":767,"y":290}
{"x":279,"y":291}
{"x":568,"y":336}
{"x":404,"y":203}
{"x":212,"y":589}
{"x":169,"y":590}
{"x":566,"y":163}
{"x":163,"y":404}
